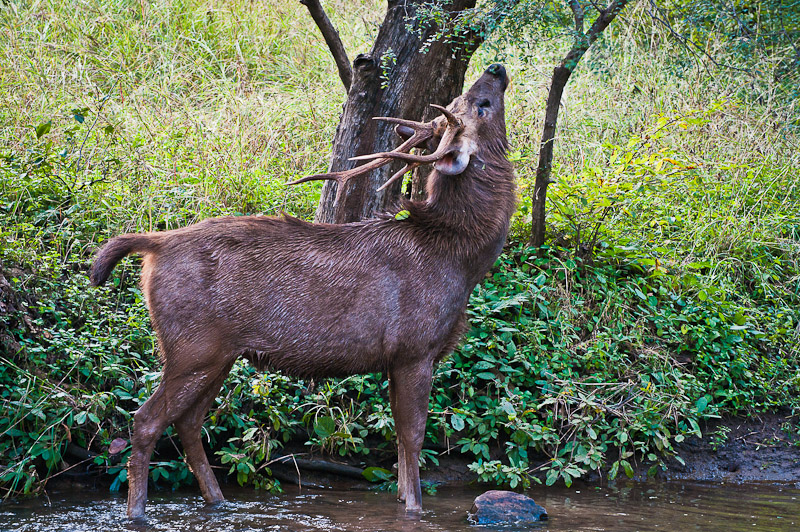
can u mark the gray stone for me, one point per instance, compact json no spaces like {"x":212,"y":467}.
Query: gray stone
{"x":496,"y":507}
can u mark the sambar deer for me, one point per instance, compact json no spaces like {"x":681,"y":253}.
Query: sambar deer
{"x":316,"y":300}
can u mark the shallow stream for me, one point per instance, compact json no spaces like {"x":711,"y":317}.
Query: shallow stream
{"x":626,"y":506}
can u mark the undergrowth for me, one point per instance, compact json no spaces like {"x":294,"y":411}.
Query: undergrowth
{"x":670,"y":291}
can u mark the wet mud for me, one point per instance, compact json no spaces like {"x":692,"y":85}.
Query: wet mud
{"x":765,"y":448}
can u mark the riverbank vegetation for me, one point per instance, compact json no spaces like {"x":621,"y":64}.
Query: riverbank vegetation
{"x":668,"y":291}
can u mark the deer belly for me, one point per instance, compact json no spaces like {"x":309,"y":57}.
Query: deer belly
{"x":329,"y":348}
{"x":321,"y":359}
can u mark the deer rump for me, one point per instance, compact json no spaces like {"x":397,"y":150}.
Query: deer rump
{"x":317,"y":300}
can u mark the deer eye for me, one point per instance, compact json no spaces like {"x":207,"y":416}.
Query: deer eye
{"x":483,"y":106}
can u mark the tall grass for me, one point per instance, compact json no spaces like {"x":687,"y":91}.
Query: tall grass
{"x":701,"y":158}
{"x":222,"y":100}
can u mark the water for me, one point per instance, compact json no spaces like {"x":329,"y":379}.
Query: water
{"x":676,"y":506}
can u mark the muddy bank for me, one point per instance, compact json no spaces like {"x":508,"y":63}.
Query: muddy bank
{"x":765,"y":448}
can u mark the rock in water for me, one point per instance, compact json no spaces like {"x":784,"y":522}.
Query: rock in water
{"x":496,"y":506}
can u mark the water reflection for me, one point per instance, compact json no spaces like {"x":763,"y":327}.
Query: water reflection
{"x":621,"y":507}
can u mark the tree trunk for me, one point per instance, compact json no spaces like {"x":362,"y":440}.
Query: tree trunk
{"x":393,"y":79}
{"x":543,"y":171}
{"x":561,"y":75}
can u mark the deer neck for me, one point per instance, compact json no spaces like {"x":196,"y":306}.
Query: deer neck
{"x":470,"y":213}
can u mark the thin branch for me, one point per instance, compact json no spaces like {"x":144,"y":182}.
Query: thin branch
{"x":577,"y":14}
{"x":601,"y":23}
{"x":332,"y":39}
{"x":693,"y":48}
{"x":561,"y":75}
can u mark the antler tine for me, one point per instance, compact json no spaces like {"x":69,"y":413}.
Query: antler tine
{"x":451,"y":118}
{"x":444,"y":145}
{"x":403,"y":122}
{"x":398,"y":175}
{"x":343,"y":175}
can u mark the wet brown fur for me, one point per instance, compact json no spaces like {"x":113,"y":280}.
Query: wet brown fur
{"x":317,"y":300}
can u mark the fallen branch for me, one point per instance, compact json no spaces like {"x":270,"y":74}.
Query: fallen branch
{"x":322,"y":466}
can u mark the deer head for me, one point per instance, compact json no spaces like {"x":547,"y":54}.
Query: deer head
{"x":452,"y":140}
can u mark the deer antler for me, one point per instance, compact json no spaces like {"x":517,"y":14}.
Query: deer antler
{"x":451,"y":118}
{"x":454,"y":126}
{"x":422,"y":132}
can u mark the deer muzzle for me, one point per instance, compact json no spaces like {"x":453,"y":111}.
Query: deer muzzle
{"x":456,"y":159}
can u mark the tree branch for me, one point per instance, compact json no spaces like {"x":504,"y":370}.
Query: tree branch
{"x":332,"y":39}
{"x":695,"y":50}
{"x":601,"y":23}
{"x":577,"y":14}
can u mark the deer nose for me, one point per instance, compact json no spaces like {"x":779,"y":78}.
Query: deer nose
{"x":499,"y":71}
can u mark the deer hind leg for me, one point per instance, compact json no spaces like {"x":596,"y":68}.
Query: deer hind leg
{"x":188,"y":427}
{"x":148,"y":424}
{"x":412,"y":387}
{"x":177,"y":394}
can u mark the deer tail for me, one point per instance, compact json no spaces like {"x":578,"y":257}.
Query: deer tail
{"x":115,"y":249}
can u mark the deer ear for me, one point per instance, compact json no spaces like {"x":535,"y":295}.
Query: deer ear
{"x":405,"y":132}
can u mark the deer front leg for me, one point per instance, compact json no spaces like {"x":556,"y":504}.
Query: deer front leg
{"x":411,"y":389}
{"x":401,"y":473}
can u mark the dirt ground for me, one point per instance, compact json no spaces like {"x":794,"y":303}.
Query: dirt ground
{"x":756,"y":449}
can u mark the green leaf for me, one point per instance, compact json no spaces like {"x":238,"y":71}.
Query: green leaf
{"x":249,"y":433}
{"x":513,"y":301}
{"x":627,"y":467}
{"x":614,"y":471}
{"x":43,"y":129}
{"x":483,"y":364}
{"x":457,"y":422}
{"x":324,"y":427}
{"x":80,"y":114}
{"x":701,"y":404}
{"x":377,"y":474}
{"x":402,"y":215}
